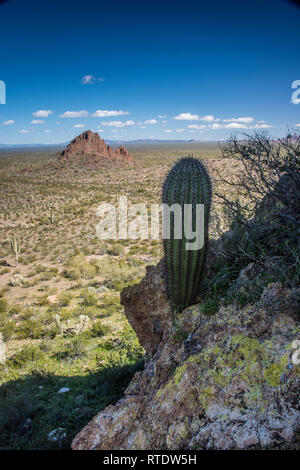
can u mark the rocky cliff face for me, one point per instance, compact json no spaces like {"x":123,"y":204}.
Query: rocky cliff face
{"x":90,"y":145}
{"x":221,"y":382}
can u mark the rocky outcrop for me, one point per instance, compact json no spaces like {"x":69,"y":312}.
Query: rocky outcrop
{"x":149,"y":314}
{"x":89,"y":145}
{"x":221,"y":382}
{"x":122,"y":153}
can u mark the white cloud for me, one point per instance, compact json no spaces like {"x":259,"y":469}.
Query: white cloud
{"x":197,"y":126}
{"x":107,"y":113}
{"x":42,"y":113}
{"x":195,"y":117}
{"x":297,"y":125}
{"x":8,"y":123}
{"x":236,"y":125}
{"x":261,"y":126}
{"x":216,"y":125}
{"x":150,"y":121}
{"x":208,"y":118}
{"x":58,"y":123}
{"x":79,"y":126}
{"x":168,"y":131}
{"x":91,"y":79}
{"x":179,"y":130}
{"x":48,"y":131}
{"x":162,"y":116}
{"x":37,"y":121}
{"x":118,"y":123}
{"x":187,"y":117}
{"x":24,"y":131}
{"x":74,"y":114}
{"x":246,"y":120}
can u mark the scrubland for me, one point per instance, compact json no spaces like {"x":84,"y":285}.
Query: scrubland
{"x":69,"y":348}
{"x":60,"y":313}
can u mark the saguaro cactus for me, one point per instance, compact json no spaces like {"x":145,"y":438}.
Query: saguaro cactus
{"x":187,"y":183}
{"x":51,"y":217}
{"x":15,"y":246}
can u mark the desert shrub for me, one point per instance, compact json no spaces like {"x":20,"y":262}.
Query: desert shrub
{"x":110,"y":304}
{"x":30,"y":328}
{"x":6,"y":325}
{"x":126,"y":351}
{"x":28,"y":353}
{"x":7,"y":329}
{"x":15,"y":410}
{"x":42,"y":299}
{"x":64,"y":299}
{"x":91,"y":311}
{"x":66,"y":313}
{"x":54,"y":270}
{"x":264,"y":231}
{"x":47,"y":275}
{"x":99,"y":329}
{"x":85,"y":250}
{"x":133,"y":250}
{"x":40,"y":269}
{"x":74,"y":349}
{"x":89,"y":298}
{"x":5,"y":270}
{"x":31,"y":259}
{"x":115,"y":250}
{"x":79,"y":268}
{"x":3,"y":306}
{"x":16,"y":309}
{"x":118,"y":273}
{"x":270,"y":173}
{"x":25,"y":313}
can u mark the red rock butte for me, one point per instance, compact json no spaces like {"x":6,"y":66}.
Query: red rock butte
{"x":89,"y":144}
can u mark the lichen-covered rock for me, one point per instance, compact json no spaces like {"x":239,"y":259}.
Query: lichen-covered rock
{"x":221,"y":382}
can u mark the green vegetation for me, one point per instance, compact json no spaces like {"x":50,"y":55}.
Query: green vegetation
{"x":96,"y":371}
{"x":60,"y":312}
{"x":63,"y":325}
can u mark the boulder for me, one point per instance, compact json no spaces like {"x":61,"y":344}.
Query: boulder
{"x":222,"y":382}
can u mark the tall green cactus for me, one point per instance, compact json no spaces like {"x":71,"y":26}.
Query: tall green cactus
{"x":187,"y":183}
{"x":15,"y":245}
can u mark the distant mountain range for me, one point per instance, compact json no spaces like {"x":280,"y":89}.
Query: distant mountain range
{"x":112,"y":142}
{"x":16,"y":146}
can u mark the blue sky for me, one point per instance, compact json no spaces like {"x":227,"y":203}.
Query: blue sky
{"x":133,"y":70}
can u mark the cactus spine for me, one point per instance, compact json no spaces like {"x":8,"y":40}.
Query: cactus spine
{"x":187,"y":183}
{"x":15,"y":246}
